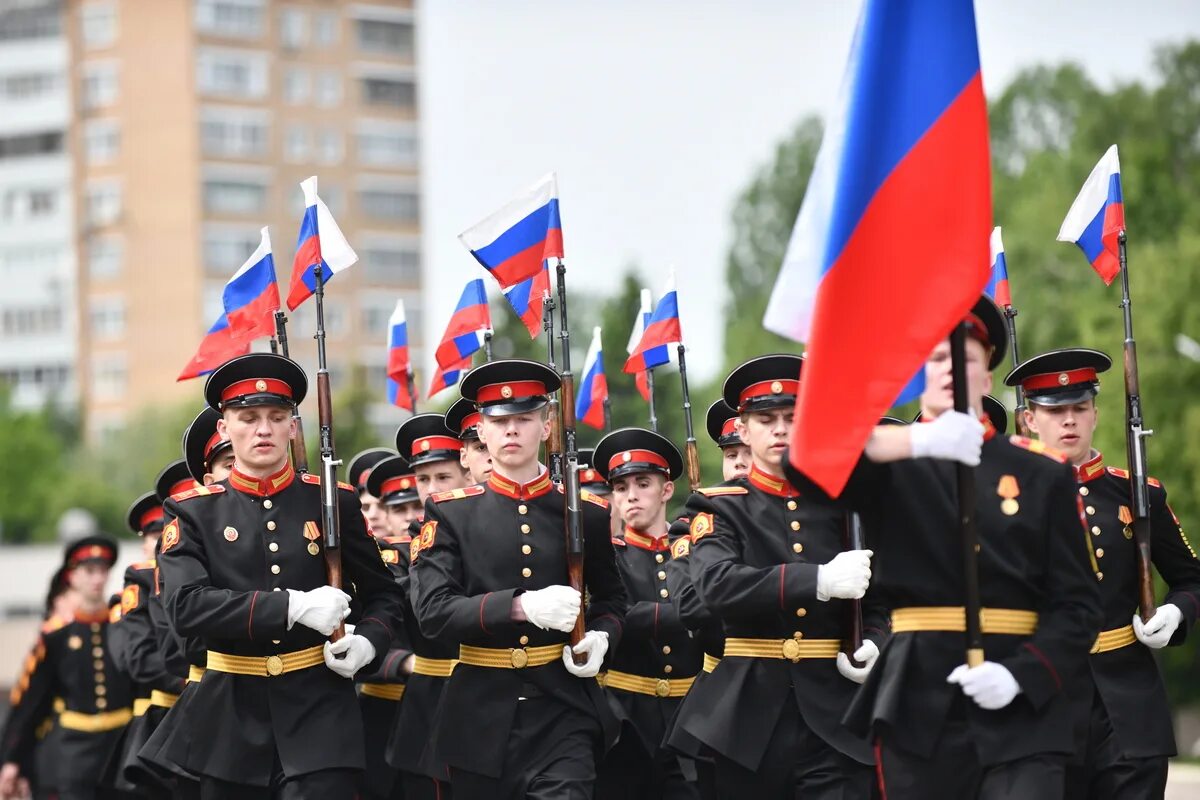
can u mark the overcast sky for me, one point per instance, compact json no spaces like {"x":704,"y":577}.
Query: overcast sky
{"x":656,"y":114}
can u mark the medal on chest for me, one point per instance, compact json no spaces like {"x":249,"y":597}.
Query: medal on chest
{"x":1009,"y":491}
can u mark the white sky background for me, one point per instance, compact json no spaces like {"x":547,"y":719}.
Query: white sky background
{"x":656,"y":114}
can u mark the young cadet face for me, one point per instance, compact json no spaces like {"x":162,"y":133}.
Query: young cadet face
{"x":374,"y":512}
{"x":260,"y":436}
{"x":766,"y":435}
{"x":513,"y":441}
{"x":439,"y":476}
{"x":641,"y":499}
{"x":735,"y":461}
{"x":399,"y":516}
{"x":220,"y":468}
{"x":939,"y":386}
{"x":1067,"y":429}
{"x":149,"y":541}
{"x":476,"y":460}
{"x":88,"y":581}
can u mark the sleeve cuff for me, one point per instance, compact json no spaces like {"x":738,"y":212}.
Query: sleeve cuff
{"x":495,"y":613}
{"x":268,"y":615}
{"x":798,"y":585}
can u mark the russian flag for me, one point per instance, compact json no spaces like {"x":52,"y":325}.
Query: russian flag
{"x":320,"y":242}
{"x":1097,"y":217}
{"x":593,"y":387}
{"x":997,"y":287}
{"x":890,"y":249}
{"x":526,"y":299}
{"x":512,"y":243}
{"x":445,"y":378}
{"x":251,"y":297}
{"x":218,"y":346}
{"x":398,"y":363}
{"x":655,"y":356}
{"x":470,"y":316}
{"x":661,"y":330}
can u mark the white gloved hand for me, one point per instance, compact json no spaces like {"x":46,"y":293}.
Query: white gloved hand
{"x":554,"y":608}
{"x":953,"y":435}
{"x":595,"y":644}
{"x":846,"y":576}
{"x":321,"y":609}
{"x":356,"y":651}
{"x":990,"y":685}
{"x":1157,"y":631}
{"x":864,"y":655}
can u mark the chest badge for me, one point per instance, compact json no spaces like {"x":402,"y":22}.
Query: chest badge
{"x":311,"y":531}
{"x":231,"y":534}
{"x":1126,"y":517}
{"x":1008,"y":489}
{"x":313,"y":550}
{"x":74,"y":643}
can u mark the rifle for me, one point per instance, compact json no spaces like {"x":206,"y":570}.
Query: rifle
{"x":692,"y":456}
{"x":1135,"y":449}
{"x":555,"y":445}
{"x":572,"y":518}
{"x":966,"y":506}
{"x":853,"y":539}
{"x":1010,"y":322}
{"x":330,"y":521}
{"x":296,"y":445}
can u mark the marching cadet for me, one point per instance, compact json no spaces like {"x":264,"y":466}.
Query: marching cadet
{"x":356,"y":475}
{"x":721,"y":423}
{"x":658,"y":660}
{"x":769,"y":563}
{"x":400,"y":501}
{"x":274,"y":714}
{"x":1123,"y":703}
{"x":1001,"y":729}
{"x":72,"y":662}
{"x":518,"y":717}
{"x":463,"y":417}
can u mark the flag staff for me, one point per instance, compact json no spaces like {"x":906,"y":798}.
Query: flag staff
{"x":969,"y":532}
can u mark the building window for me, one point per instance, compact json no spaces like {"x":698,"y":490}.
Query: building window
{"x":234,"y":132}
{"x":233,"y":73}
{"x":335,"y":318}
{"x":227,"y":248}
{"x":331,"y":194}
{"x":297,"y":143}
{"x":29,"y":85}
{"x":393,"y":92}
{"x":327,"y":91}
{"x":227,"y":196}
{"x":103,"y":203}
{"x":31,"y":144}
{"x":329,"y":146}
{"x":397,"y":205}
{"x":325,"y":29}
{"x":31,"y":321}
{"x":375,"y":316}
{"x":390,"y":260}
{"x":379,"y":36}
{"x":29,"y":203}
{"x":107,"y":317}
{"x":100,"y":86}
{"x":105,"y":256}
{"x":295,"y":85}
{"x":101,"y":140}
{"x":42,"y":203}
{"x":30,"y":21}
{"x":293,"y":28}
{"x":98,"y":24}
{"x":31,"y":258}
{"x":240,"y":19}
{"x":110,"y":376}
{"x":387,"y":144}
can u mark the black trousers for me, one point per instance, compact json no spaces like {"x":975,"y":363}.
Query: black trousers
{"x":797,"y":763}
{"x":329,"y":784}
{"x":954,"y":771}
{"x":551,"y":755}
{"x":1105,"y":774}
{"x":628,"y":772}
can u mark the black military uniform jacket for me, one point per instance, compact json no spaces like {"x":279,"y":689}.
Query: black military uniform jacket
{"x":1127,"y":678}
{"x":135,"y":639}
{"x":756,"y":546}
{"x":228,"y":554}
{"x":72,"y":662}
{"x":1033,"y":556}
{"x":481,"y":547}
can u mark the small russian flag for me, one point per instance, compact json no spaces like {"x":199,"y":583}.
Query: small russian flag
{"x":527,"y":297}
{"x":593,"y":387}
{"x":445,"y":378}
{"x":320,"y":242}
{"x":512,"y":243}
{"x":218,"y":346}
{"x":655,"y":357}
{"x":470,"y":316}
{"x":251,"y":297}
{"x":1097,"y":217}
{"x":398,"y":363}
{"x":997,"y":287}
{"x":662,"y":329}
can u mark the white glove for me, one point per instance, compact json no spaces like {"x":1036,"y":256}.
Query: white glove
{"x":1158,"y":630}
{"x":554,"y":608}
{"x":953,"y":435}
{"x":864,"y":655}
{"x":846,"y":576}
{"x":595,"y":644}
{"x":356,"y":651}
{"x":321,"y":609}
{"x":990,"y":685}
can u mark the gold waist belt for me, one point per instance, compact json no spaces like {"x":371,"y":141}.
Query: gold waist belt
{"x":195,"y":674}
{"x":384,"y":691}
{"x":710,"y":662}
{"x":434,"y":667}
{"x":509,"y":657}
{"x":1114,"y":639}
{"x":791,"y":649}
{"x":95,"y":723}
{"x":162,"y":699}
{"x":267,"y":666}
{"x":656,"y":687}
{"x":140,"y":706}
{"x":1014,"y":622}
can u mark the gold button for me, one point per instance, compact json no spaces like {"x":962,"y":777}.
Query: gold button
{"x":668,"y":669}
{"x":526,"y":549}
{"x":1095,"y":530}
{"x":96,"y":640}
{"x":95,"y":627}
{"x":658,"y":558}
{"x":662,"y":576}
{"x":524,"y":640}
{"x":1099,"y":576}
{"x":663,"y":593}
{"x":1099,"y":552}
{"x":525,"y":527}
{"x":795,"y":525}
{"x":1083,"y":490}
{"x":274,"y":641}
{"x":271,"y":525}
{"x":101,"y":703}
{"x":97,"y":652}
{"x":273,"y":547}
{"x":522,"y":509}
{"x":276,"y":589}
{"x":797,"y":548}
{"x":791,"y":504}
{"x":1091,"y":509}
{"x":101,"y":691}
{"x":526,"y":572}
{"x":798,"y":635}
{"x":800,"y":612}
{"x":267,"y":503}
{"x":666,"y":649}
{"x":99,"y":677}
{"x":98,"y":664}
{"x":274,"y":569}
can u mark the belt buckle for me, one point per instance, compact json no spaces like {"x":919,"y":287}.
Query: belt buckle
{"x":791,"y":650}
{"x":274,"y":666}
{"x":662,"y":688}
{"x":518,"y":658}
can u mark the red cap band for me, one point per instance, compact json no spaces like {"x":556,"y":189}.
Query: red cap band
{"x":640,"y":456}
{"x":153,"y":515}
{"x":182,"y":486}
{"x":1051,"y":380}
{"x":768,"y":388}
{"x":730,"y":427}
{"x":257,"y":386}
{"x":427,"y":443}
{"x":514,"y":390}
{"x":977,"y":330}
{"x":362,"y":479}
{"x":90,"y":552}
{"x":212,"y":442}
{"x":469,"y":421}
{"x":399,"y":483}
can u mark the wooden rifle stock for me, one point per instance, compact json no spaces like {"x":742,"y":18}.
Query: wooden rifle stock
{"x":331,"y":527}
{"x":572,"y":516}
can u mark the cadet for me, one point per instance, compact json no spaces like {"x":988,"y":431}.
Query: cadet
{"x":1003,"y":728}
{"x":1123,"y":703}
{"x":274,"y":713}
{"x":401,"y":503}
{"x":768,"y":562}
{"x":518,"y":717}
{"x":654,"y":668}
{"x":72,"y":662}
{"x":356,"y":475}
{"x":463,"y":418}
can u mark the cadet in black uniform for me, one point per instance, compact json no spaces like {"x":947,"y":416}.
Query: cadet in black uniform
{"x":1003,"y":728}
{"x":400,"y":501}
{"x":658,"y":659}
{"x":1122,"y":701}
{"x":463,"y":418}
{"x":769,"y":563}
{"x":356,"y":475}
{"x":274,"y":714}
{"x":72,"y":662}
{"x":518,"y":717}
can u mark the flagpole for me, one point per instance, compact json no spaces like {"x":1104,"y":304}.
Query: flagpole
{"x":968,"y":531}
{"x":692,"y":455}
{"x":487,"y":344}
{"x":296,"y":445}
{"x":650,"y":392}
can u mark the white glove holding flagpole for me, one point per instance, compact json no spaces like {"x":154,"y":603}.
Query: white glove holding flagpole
{"x":990,"y":685}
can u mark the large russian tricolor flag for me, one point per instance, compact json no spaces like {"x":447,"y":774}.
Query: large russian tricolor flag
{"x":320,"y":241}
{"x":655,"y":356}
{"x":1097,"y":217}
{"x":997,"y":287}
{"x":593,"y":386}
{"x":512,"y":243}
{"x":527,"y":298}
{"x":251,"y":297}
{"x":471,"y":315}
{"x":398,"y":362}
{"x":890,"y":249}
{"x":218,"y":346}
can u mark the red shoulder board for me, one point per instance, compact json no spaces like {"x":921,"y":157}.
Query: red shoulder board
{"x":148,"y":564}
{"x":458,"y":494}
{"x":618,"y":541}
{"x":1124,"y":473}
{"x":1037,"y":446}
{"x":199,"y":491}
{"x":719,"y":491}
{"x":308,"y":477}
{"x":593,"y":498}
{"x":54,"y":623}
